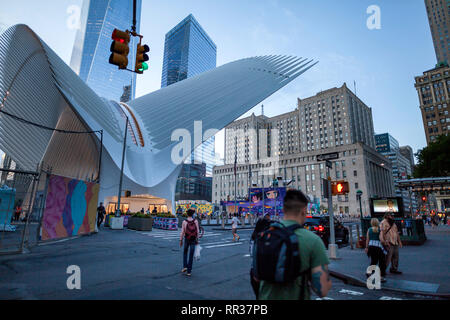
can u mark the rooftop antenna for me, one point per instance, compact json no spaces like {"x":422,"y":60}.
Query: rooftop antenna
{"x":354,"y":85}
{"x":262,"y":110}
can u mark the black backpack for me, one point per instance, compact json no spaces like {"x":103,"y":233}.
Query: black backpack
{"x":276,"y":255}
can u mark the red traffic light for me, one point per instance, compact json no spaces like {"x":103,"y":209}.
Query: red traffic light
{"x":119,"y":48}
{"x":120,"y":36}
{"x":424,"y":198}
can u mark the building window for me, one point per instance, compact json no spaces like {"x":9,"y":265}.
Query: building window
{"x":355,"y":173}
{"x":356,"y":185}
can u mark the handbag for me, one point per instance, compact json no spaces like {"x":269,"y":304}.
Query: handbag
{"x":197,"y":250}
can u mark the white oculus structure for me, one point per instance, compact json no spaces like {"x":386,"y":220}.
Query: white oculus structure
{"x":35,"y":84}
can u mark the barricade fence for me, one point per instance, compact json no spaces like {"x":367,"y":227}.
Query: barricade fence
{"x":21,"y":207}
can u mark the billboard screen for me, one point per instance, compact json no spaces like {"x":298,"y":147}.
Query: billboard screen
{"x":385,"y":205}
{"x":271,"y":198}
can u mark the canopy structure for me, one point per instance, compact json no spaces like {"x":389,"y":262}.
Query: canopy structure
{"x":36,"y":85}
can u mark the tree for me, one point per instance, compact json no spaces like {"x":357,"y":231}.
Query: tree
{"x":434,"y":160}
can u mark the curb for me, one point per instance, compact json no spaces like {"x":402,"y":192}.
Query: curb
{"x":359,"y":283}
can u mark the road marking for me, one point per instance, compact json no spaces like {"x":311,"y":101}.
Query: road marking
{"x":354,"y":293}
{"x":325,"y":298}
{"x":224,"y":245}
{"x":246,"y":255}
{"x":220,"y":242}
{"x":389,"y":298}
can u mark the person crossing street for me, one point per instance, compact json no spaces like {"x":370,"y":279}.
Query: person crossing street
{"x":234,"y":225}
{"x":189,"y":234}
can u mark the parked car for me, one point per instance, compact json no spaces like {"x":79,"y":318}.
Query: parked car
{"x":320,"y":225}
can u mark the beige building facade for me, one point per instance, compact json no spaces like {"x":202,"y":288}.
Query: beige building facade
{"x":287,"y":146}
{"x":433,"y":88}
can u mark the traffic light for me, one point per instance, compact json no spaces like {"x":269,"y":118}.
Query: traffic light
{"x":119,"y":48}
{"x":141,"y":57}
{"x":424,"y":199}
{"x":339,"y":187}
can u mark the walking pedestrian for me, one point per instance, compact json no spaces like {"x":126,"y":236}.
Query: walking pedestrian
{"x":234,"y":225}
{"x":374,"y":248}
{"x":17,"y":212}
{"x":154,"y":211}
{"x":189,"y":234}
{"x":409,"y":227}
{"x":261,"y":225}
{"x":390,"y":239}
{"x":100,"y":214}
{"x":310,"y":266}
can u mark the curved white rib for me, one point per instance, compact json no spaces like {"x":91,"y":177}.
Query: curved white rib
{"x":41,"y":86}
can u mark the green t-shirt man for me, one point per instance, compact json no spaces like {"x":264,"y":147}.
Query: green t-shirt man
{"x":312,"y":254}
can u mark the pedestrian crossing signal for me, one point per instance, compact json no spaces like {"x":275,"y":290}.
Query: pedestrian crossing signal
{"x":339,"y":188}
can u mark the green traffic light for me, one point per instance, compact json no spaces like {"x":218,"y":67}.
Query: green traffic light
{"x":144,"y":67}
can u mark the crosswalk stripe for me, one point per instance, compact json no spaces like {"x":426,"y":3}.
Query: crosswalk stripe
{"x":224,"y":245}
{"x":220,"y":242}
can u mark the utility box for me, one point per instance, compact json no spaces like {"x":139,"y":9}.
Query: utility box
{"x":7,"y":200}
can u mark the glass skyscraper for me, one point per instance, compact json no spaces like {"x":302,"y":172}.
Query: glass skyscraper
{"x":189,"y":51}
{"x":90,"y":56}
{"x":402,"y":167}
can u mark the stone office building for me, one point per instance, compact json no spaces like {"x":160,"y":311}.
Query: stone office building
{"x":333,"y":121}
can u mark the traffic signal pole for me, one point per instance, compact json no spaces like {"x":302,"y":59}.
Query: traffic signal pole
{"x":332,"y":247}
{"x":118,"y":214}
{"x":133,"y":28}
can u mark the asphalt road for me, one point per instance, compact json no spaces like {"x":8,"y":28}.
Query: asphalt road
{"x":126,"y":264}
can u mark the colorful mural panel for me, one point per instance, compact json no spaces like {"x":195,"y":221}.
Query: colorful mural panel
{"x":70,"y":208}
{"x":206,"y":209}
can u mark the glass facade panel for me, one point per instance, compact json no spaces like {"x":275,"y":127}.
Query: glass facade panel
{"x":189,"y":51}
{"x":90,"y":57}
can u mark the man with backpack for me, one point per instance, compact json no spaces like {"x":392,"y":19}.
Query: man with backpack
{"x":189,"y":233}
{"x":261,"y":225}
{"x":288,"y":260}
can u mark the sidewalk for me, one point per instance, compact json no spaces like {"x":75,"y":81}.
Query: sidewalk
{"x":426,"y":268}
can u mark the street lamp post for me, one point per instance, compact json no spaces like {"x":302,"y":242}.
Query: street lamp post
{"x":359,"y":195}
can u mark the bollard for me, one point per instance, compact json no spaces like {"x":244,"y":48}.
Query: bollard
{"x":209,"y":219}
{"x":350,"y":235}
{"x":223,"y":222}
{"x":357,"y":236}
{"x":252,"y":220}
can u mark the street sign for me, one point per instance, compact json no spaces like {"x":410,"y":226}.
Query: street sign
{"x":329,"y":164}
{"x":328,"y":156}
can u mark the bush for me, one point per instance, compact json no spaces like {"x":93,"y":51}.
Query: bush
{"x":141,"y":215}
{"x":163,"y":215}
